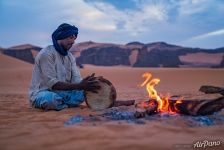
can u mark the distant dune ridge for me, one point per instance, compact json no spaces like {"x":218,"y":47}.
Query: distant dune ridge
{"x":135,"y":54}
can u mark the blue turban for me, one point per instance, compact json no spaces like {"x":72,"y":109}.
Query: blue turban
{"x":63,"y":31}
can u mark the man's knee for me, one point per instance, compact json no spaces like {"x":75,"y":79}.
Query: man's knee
{"x":78,"y":96}
{"x":49,"y":101}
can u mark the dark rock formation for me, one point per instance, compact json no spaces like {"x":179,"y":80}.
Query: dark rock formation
{"x":158,"y":54}
{"x":157,"y":58}
{"x":24,"y":55}
{"x":136,"y":54}
{"x":105,"y":56}
{"x":165,"y":55}
{"x":23,"y":52}
{"x":222,"y":63}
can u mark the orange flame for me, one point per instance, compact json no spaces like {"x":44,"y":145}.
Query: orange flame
{"x":163,"y":103}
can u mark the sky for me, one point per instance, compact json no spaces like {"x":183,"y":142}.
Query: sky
{"x":191,"y":23}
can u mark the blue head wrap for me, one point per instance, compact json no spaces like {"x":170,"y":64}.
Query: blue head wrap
{"x":63,"y":31}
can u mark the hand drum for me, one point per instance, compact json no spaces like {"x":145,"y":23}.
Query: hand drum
{"x":105,"y":97}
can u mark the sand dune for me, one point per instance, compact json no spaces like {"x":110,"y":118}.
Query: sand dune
{"x":14,"y":75}
{"x":7,"y":62}
{"x":23,"y":128}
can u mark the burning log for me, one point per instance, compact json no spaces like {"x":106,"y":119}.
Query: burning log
{"x":202,"y":104}
{"x":211,"y":89}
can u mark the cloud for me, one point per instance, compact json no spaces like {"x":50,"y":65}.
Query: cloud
{"x":212,"y":39}
{"x":146,"y":21}
{"x":89,"y":17}
{"x":209,"y":34}
{"x":191,"y":7}
{"x":157,"y":12}
{"x":134,"y":21}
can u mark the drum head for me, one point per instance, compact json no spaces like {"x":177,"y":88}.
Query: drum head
{"x":105,"y":97}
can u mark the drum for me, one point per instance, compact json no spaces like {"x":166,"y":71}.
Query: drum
{"x":105,"y":97}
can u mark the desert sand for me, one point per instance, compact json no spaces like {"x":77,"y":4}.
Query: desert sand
{"x":25,"y":128}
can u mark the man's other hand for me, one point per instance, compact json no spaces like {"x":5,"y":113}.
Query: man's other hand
{"x":90,"y":83}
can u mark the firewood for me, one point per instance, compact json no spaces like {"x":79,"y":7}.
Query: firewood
{"x":202,"y":104}
{"x":124,"y":103}
{"x":195,"y":105}
{"x":211,"y":89}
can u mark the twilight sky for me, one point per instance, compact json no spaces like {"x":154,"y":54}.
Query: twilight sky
{"x":192,"y":23}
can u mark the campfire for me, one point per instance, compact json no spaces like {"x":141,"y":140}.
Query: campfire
{"x":197,"y":109}
{"x":194,"y":105}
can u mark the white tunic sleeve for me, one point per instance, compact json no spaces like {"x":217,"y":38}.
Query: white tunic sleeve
{"x":46,"y":64}
{"x":76,"y":76}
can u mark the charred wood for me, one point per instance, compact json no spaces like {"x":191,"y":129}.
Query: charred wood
{"x":211,"y":89}
{"x":197,"y":106}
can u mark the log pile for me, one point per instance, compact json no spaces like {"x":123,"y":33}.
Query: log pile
{"x":212,"y":100}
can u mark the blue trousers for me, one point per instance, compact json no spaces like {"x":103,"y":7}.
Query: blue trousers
{"x":58,"y":100}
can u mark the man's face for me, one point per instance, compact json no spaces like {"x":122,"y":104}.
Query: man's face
{"x":67,"y":42}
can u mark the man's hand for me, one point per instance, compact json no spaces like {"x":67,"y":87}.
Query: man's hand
{"x":90,"y":83}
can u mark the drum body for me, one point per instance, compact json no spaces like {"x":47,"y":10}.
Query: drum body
{"x":105,"y":97}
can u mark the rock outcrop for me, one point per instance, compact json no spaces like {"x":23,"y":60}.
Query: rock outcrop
{"x":135,"y":54}
{"x":22,"y":52}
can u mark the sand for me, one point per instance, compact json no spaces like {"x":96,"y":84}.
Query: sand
{"x":24,"y":128}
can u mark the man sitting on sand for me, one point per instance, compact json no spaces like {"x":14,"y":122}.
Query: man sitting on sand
{"x":56,"y":81}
